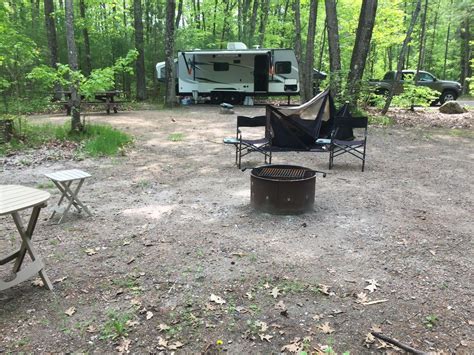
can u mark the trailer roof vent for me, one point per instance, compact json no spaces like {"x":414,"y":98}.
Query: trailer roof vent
{"x":236,"y":46}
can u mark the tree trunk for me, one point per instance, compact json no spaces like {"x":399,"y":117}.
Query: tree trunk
{"x":140,"y":64}
{"x":72,"y":59}
{"x":466,"y":55}
{"x":253,"y":23}
{"x":309,"y":53}
{"x":334,"y":49}
{"x":421,"y":51}
{"x":361,"y":49}
{"x":401,"y":58}
{"x":180,"y":12}
{"x":170,"y":75}
{"x":52,"y":41}
{"x":263,"y":21}
{"x":87,"y":46}
{"x":433,"y":38}
{"x":298,"y":46}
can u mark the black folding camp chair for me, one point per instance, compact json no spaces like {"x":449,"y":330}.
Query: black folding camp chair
{"x":355,"y":147}
{"x":247,"y":146}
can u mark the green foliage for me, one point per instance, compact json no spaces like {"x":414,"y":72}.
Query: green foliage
{"x":106,"y":140}
{"x":116,"y":325}
{"x":176,"y":137}
{"x":430,"y":321}
{"x":414,"y":95}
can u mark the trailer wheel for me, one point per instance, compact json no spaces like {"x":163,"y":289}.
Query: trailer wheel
{"x":233,"y":98}
{"x":216,"y":98}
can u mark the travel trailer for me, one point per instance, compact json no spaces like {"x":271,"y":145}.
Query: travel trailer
{"x":231,"y":75}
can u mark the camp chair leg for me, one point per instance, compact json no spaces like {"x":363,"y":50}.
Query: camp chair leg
{"x":363,"y":158}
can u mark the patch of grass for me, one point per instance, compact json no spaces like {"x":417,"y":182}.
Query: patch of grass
{"x":383,"y":121}
{"x":128,"y":282}
{"x":115,"y":326}
{"x":464,"y":133}
{"x":292,"y":286}
{"x":95,"y":140}
{"x":430,"y":321}
{"x":176,"y":137}
{"x":45,"y":185}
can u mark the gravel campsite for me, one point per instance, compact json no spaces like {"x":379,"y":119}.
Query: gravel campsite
{"x":174,"y":258}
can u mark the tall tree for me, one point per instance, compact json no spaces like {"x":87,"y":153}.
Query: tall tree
{"x":298,"y":45}
{"x":334,"y":48}
{"x":253,"y":23}
{"x":72,"y":59}
{"x":85,"y":33}
{"x":140,"y":64}
{"x":52,"y":41}
{"x":170,"y":100}
{"x":263,"y":21}
{"x":466,"y":54}
{"x":180,"y":12}
{"x":421,"y":50}
{"x":401,"y":58}
{"x":361,"y":49}
{"x":307,"y":90}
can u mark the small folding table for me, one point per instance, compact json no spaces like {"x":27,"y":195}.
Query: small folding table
{"x":13,"y":199}
{"x":63,"y":181}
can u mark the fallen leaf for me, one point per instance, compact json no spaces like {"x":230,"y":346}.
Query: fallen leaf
{"x":70,"y":311}
{"x":326,"y":328}
{"x":294,"y":347}
{"x":126,"y":242}
{"x":372,"y":286}
{"x":216,"y":299}
{"x":324,"y":289}
{"x":470,"y":322}
{"x":91,"y":329}
{"x":149,"y":315}
{"x":266,"y":285}
{"x":175,"y":345}
{"x":433,"y":252}
{"x":384,"y":345}
{"x":136,"y":302}
{"x":61,"y":279}
{"x":316,"y":317}
{"x":266,"y":337}
{"x":369,"y":339}
{"x":162,"y":342}
{"x":262,"y":325}
{"x":275,"y":292}
{"x":249,"y":295}
{"x":123,"y":346}
{"x":90,"y":252}
{"x":280,"y":306}
{"x":362,"y":297}
{"x":376,"y":328}
{"x":163,"y":327}
{"x":130,"y":261}
{"x":210,"y":307}
{"x":37,"y":282}
{"x":131,"y":323}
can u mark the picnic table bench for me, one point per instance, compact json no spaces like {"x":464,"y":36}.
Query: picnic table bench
{"x":106,"y":98}
{"x":13,"y":199}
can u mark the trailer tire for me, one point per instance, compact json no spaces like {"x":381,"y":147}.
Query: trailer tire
{"x":216,"y":98}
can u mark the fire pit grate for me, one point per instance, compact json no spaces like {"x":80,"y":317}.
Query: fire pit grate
{"x":281,"y":173}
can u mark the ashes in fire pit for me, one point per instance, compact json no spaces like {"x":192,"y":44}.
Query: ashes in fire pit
{"x":283,"y":189}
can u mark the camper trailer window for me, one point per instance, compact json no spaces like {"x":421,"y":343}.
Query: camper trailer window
{"x":282,"y":67}
{"x":221,"y":66}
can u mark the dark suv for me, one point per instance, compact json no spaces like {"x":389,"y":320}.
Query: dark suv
{"x":449,"y":90}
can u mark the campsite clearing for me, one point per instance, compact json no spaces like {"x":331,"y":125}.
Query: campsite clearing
{"x":174,"y":258}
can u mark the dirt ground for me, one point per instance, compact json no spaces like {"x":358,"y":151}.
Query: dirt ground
{"x":173,"y":237}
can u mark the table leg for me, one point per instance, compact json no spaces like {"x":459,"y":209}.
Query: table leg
{"x":73,"y":199}
{"x":27,"y":246}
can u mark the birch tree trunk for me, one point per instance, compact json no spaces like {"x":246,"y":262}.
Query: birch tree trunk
{"x":361,"y":49}
{"x":334,"y":49}
{"x":170,"y":76}
{"x":72,"y":59}
{"x":401,"y":58}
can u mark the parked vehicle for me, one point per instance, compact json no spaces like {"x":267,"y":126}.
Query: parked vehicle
{"x":449,"y":90}
{"x":232,"y":74}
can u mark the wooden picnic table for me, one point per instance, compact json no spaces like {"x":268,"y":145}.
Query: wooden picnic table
{"x":13,"y":199}
{"x":107,"y":98}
